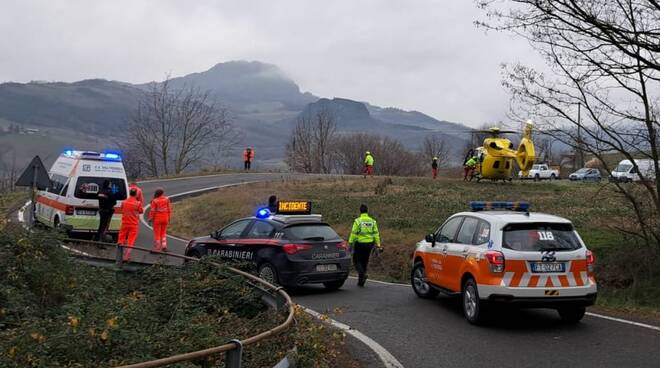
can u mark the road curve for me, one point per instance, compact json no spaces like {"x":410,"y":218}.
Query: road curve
{"x":433,"y":333}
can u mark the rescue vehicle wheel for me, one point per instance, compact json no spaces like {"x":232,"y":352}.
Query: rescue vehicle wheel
{"x":553,"y":177}
{"x":537,"y":177}
{"x":419,"y":284}
{"x":268,"y":272}
{"x":334,"y":285}
{"x":473,"y":309}
{"x":572,"y":314}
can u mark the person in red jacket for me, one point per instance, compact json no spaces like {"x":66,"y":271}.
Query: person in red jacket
{"x":138,"y":196}
{"x":131,"y":209}
{"x":248,"y":156}
{"x":159,"y":214}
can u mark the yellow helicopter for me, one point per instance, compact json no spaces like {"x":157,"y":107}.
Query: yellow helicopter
{"x":495,"y":158}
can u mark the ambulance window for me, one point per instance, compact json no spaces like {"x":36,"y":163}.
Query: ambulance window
{"x":260,"y":230}
{"x":483,"y":233}
{"x":87,"y":187}
{"x":57,"y":183}
{"x":466,"y":234}
{"x":235,"y":230}
{"x":448,"y":230}
{"x":64,"y":190}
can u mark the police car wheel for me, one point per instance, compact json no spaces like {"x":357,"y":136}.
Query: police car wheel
{"x":334,"y":285}
{"x":268,"y":272}
{"x":472,"y":307}
{"x":572,"y":314}
{"x":419,"y":284}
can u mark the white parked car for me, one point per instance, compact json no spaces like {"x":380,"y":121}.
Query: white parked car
{"x":626,"y":172}
{"x":540,"y":172}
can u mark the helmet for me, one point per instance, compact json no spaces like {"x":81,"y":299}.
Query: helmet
{"x":368,"y":153}
{"x":435,"y":157}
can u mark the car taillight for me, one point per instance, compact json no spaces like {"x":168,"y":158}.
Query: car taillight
{"x":496,"y":261}
{"x":69,"y":210}
{"x":342,"y":246}
{"x":295,"y":248}
{"x":590,"y":261}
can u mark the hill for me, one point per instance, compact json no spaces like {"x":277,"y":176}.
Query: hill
{"x":262,"y":101}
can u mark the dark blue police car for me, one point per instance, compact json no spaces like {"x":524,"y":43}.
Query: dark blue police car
{"x":291,"y":247}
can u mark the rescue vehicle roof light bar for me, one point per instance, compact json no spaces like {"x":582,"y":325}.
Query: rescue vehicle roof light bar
{"x":520,"y":206}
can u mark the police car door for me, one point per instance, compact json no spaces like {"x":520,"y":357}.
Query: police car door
{"x":229,"y":245}
{"x":258,"y":240}
{"x":444,"y":238}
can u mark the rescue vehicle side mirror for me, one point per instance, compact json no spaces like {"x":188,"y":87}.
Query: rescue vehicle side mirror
{"x":430,"y":239}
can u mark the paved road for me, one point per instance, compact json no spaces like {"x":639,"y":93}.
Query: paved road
{"x":433,"y":333}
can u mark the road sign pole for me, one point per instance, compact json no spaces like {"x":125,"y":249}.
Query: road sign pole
{"x":33,"y":212}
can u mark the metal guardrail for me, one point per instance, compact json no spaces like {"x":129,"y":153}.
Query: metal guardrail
{"x":233,"y":350}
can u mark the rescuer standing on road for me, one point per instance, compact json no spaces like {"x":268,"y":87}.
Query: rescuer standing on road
{"x":434,"y":167}
{"x":131,"y":209}
{"x":364,"y":236}
{"x":368,"y":164}
{"x":470,"y":166}
{"x":138,"y":192}
{"x":107,"y":203}
{"x":160,"y":215}
{"x":248,"y":156}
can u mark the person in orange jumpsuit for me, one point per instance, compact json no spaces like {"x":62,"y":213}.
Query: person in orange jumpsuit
{"x":131,"y":209}
{"x":139,"y":195}
{"x":159,"y":214}
{"x":248,"y":156}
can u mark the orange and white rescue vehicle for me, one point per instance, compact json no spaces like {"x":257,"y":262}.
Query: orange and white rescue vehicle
{"x":502,"y":253}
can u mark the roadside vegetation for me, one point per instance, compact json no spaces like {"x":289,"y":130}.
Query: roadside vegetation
{"x":57,"y":312}
{"x":628,"y":271}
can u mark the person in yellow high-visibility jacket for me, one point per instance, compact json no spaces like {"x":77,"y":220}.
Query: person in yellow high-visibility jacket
{"x":364,"y":237}
{"x":368,"y":164}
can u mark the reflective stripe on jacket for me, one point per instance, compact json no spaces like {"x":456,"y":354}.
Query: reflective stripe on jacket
{"x":365,"y":230}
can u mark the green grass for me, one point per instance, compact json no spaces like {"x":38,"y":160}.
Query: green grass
{"x":409,"y":208}
{"x":57,"y":312}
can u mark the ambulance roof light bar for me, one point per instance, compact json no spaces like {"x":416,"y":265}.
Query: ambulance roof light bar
{"x":520,"y":206}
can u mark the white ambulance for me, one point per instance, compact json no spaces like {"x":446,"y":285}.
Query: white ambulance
{"x":71,"y":202}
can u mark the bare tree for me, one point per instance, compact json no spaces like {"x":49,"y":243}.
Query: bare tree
{"x":435,"y":146}
{"x":174,"y":129}
{"x":601,"y":94}
{"x":308,"y":149}
{"x":391,"y":157}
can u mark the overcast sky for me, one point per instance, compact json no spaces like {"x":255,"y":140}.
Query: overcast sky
{"x":415,"y":54}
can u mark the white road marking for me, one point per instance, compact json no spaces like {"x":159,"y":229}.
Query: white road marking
{"x":638,"y":324}
{"x":388,"y":359}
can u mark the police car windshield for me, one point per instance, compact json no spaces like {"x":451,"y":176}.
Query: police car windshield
{"x":87,"y":187}
{"x":539,"y":237}
{"x":310,"y":232}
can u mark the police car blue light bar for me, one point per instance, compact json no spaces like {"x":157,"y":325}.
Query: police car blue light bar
{"x":521,"y":206}
{"x":68,"y":152}
{"x":263,"y":213}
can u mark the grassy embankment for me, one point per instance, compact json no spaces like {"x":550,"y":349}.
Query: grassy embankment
{"x":57,"y":312}
{"x":409,"y":208}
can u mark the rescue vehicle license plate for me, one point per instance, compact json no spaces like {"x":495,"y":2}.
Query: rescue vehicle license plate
{"x":543,"y":267}
{"x":326,"y":267}
{"x":86,"y":212}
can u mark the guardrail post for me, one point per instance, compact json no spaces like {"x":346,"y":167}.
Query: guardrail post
{"x":120,"y":255}
{"x":233,"y":357}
